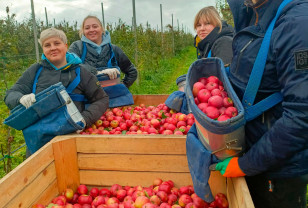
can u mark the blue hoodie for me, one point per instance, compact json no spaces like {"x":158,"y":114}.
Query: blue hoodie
{"x":106,"y":40}
{"x":71,"y":58}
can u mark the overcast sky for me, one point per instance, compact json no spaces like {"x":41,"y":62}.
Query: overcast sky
{"x":183,"y":11}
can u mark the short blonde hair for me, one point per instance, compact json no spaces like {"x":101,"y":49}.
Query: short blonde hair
{"x":81,"y":32}
{"x":52,"y":32}
{"x":210,"y":15}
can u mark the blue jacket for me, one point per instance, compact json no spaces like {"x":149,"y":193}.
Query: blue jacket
{"x":278,"y":139}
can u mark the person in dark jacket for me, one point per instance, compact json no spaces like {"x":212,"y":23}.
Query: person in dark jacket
{"x":59,"y":66}
{"x":276,"y":160}
{"x":98,"y":53}
{"x":214,"y":36}
{"x":213,"y":39}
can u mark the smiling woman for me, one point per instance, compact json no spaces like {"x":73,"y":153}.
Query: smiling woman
{"x":57,"y":68}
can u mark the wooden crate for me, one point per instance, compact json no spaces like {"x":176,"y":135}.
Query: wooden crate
{"x":103,"y":160}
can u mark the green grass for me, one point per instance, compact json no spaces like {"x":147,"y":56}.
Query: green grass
{"x":161,"y":79}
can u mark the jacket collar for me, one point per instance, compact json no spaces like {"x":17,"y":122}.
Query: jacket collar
{"x":254,"y":18}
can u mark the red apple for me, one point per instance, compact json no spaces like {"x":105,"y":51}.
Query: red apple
{"x":98,"y":201}
{"x":69,"y":194}
{"x":184,"y":199}
{"x":162,"y":195}
{"x":105,"y":192}
{"x":94,"y":192}
{"x":197,"y":87}
{"x":216,"y":101}
{"x":231,"y":111}
{"x":203,"y":95}
{"x":211,"y":112}
{"x":155,"y":200}
{"x":227,"y":102}
{"x":172,"y":198}
{"x":82,"y":189}
{"x":84,"y":199}
{"x":140,"y":201}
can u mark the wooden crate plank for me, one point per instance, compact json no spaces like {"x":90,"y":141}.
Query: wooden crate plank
{"x":150,"y":99}
{"x":218,"y":183}
{"x":108,"y":178}
{"x":28,"y":194}
{"x":48,"y":194}
{"x":25,"y":173}
{"x":242,"y":192}
{"x":233,"y":203}
{"x":132,"y":162}
{"x":66,"y":164}
{"x":135,"y":144}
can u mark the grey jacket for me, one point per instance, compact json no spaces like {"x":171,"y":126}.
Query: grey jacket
{"x":94,"y":60}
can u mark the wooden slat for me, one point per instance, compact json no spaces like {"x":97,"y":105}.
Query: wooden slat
{"x":108,"y":178}
{"x":149,"y":99}
{"x":131,"y":162}
{"x":135,"y":144}
{"x":218,"y":183}
{"x":25,"y":173}
{"x":233,"y":203}
{"x":242,"y":193}
{"x":48,"y":194}
{"x":28,"y":194}
{"x":65,"y":155}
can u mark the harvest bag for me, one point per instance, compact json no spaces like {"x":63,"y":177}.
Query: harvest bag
{"x":54,"y":113}
{"x":118,"y":93}
{"x":224,"y":138}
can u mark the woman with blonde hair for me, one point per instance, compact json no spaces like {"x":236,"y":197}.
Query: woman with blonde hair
{"x":214,"y":36}
{"x":105,"y":60}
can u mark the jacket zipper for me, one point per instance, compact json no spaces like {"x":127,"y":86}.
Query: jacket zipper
{"x":241,"y":53}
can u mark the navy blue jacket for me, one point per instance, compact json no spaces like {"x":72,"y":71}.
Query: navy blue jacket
{"x":278,"y":139}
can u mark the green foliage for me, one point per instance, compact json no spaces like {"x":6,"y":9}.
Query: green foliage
{"x":225,"y":11}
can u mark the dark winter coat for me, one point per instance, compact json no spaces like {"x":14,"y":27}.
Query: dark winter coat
{"x":219,"y":43}
{"x":94,"y":60}
{"x":277,"y":140}
{"x":88,"y":86}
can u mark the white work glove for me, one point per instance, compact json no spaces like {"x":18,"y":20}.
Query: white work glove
{"x":27,"y":100}
{"x":111,"y":72}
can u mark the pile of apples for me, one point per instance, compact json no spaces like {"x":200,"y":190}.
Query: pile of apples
{"x":162,"y":194}
{"x":212,"y":99}
{"x":142,"y":120}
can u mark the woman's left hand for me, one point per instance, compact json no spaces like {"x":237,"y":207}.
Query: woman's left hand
{"x":112,"y":72}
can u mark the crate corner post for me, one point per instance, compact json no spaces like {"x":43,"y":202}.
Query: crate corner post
{"x":66,"y":163}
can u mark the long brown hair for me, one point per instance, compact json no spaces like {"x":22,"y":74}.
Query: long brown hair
{"x":210,"y":15}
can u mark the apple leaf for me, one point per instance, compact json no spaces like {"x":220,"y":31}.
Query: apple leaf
{"x":124,"y":132}
{"x":51,"y":205}
{"x":182,"y":130}
{"x":163,"y":115}
{"x":146,"y":194}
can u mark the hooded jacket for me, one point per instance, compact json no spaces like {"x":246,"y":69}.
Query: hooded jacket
{"x":88,"y":86}
{"x":219,"y":43}
{"x":277,"y":140}
{"x":98,"y":56}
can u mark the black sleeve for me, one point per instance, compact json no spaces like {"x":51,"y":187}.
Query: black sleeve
{"x":126,"y":66}
{"x":22,"y":87}
{"x":222,"y":48}
{"x":97,"y":97}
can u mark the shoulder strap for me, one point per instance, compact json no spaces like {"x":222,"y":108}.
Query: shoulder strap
{"x":75,"y":82}
{"x":209,"y":55}
{"x":36,"y":79}
{"x":257,"y":73}
{"x":84,"y":51}
{"x":109,"y":64}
